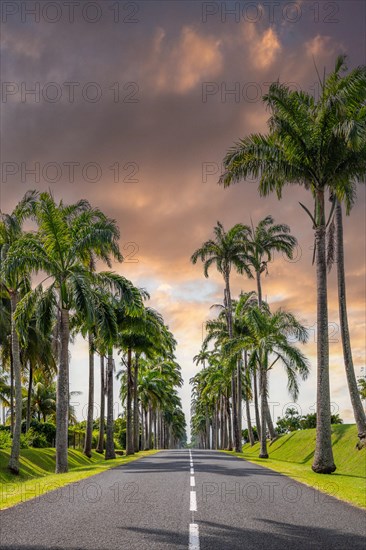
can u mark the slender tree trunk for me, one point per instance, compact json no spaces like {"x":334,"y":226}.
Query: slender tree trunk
{"x":259,"y":288}
{"x":147,"y":432}
{"x":29,"y":397}
{"x":109,"y":446}
{"x":207,"y":429}
{"x":249,"y":423}
{"x":256,"y":404}
{"x":136,"y":427}
{"x":142,"y":428}
{"x":239,"y":403}
{"x":358,"y":410}
{"x":15,"y":446}
{"x":155,"y":430}
{"x":100,"y":446}
{"x":229,"y":425}
{"x":216,"y":426}
{"x":247,"y":403}
{"x":11,"y":395}
{"x":129,"y":427}
{"x":323,"y":458}
{"x":271,"y":428}
{"x":263,"y":389}
{"x":233,"y":381}
{"x":151,"y":444}
{"x":89,"y":421}
{"x":62,"y":396}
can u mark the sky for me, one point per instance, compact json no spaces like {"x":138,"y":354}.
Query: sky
{"x":133,"y":105}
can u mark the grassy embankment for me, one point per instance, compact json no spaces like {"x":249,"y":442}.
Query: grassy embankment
{"x":292,"y":455}
{"x":37,"y":472}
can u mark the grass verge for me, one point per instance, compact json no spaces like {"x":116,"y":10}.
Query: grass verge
{"x":37,"y":475}
{"x":292,"y":455}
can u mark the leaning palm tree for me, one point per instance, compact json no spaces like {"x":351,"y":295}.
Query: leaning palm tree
{"x":306,"y":146}
{"x":227,"y":251}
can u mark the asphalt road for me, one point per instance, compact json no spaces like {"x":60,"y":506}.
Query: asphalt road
{"x":177,"y":499}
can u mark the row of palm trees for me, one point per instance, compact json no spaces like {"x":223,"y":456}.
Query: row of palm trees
{"x":248,"y":339}
{"x":320,"y":145}
{"x":51,"y":290}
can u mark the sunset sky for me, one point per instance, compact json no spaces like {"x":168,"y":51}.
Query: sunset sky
{"x":135,"y":111}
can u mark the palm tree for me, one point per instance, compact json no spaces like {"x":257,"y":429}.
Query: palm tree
{"x":306,"y":146}
{"x":271,"y":335}
{"x":348,"y":98}
{"x":266,"y":238}
{"x":100,"y":445}
{"x":227,"y":250}
{"x":14,"y":284}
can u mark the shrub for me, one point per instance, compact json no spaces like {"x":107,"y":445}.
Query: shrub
{"x":24,"y":441}
{"x":5,"y":439}
{"x":36,"y":440}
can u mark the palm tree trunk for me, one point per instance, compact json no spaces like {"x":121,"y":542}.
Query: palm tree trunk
{"x":259,"y":288}
{"x":155,"y":431}
{"x":129,"y":428}
{"x":263,"y":389}
{"x":100,"y":446}
{"x":11,"y":395}
{"x":142,"y":428}
{"x":229,"y":315}
{"x":109,"y":446}
{"x":89,"y":421}
{"x":62,"y":396}
{"x":136,"y":427}
{"x":29,"y":397}
{"x":323,"y":457}
{"x":207,"y":441}
{"x":147,"y":432}
{"x":229,"y":425}
{"x":247,"y":403}
{"x":256,"y":404}
{"x":240,"y":383}
{"x":249,"y":423}
{"x":150,"y":444}
{"x":358,"y":410}
{"x":271,"y":429}
{"x":15,"y":447}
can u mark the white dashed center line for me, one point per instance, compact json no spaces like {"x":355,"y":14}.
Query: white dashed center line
{"x":194,"y":540}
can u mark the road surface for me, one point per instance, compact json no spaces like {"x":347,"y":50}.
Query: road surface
{"x":184,"y":499}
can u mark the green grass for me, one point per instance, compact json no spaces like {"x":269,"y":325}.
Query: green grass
{"x":292,"y":455}
{"x":37,"y":475}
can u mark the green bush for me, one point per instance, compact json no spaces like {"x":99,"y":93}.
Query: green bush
{"x":24,"y":441}
{"x":36,"y":440}
{"x":5,"y":440}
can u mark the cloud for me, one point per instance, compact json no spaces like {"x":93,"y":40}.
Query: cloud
{"x":179,"y":66}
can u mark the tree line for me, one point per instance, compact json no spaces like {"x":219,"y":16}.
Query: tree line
{"x":52,"y":288}
{"x":320,"y":145}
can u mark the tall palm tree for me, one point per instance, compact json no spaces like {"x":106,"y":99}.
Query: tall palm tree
{"x":262,"y":241}
{"x":269,"y":336}
{"x":227,"y":250}
{"x":305,"y":146}
{"x":351,"y":125}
